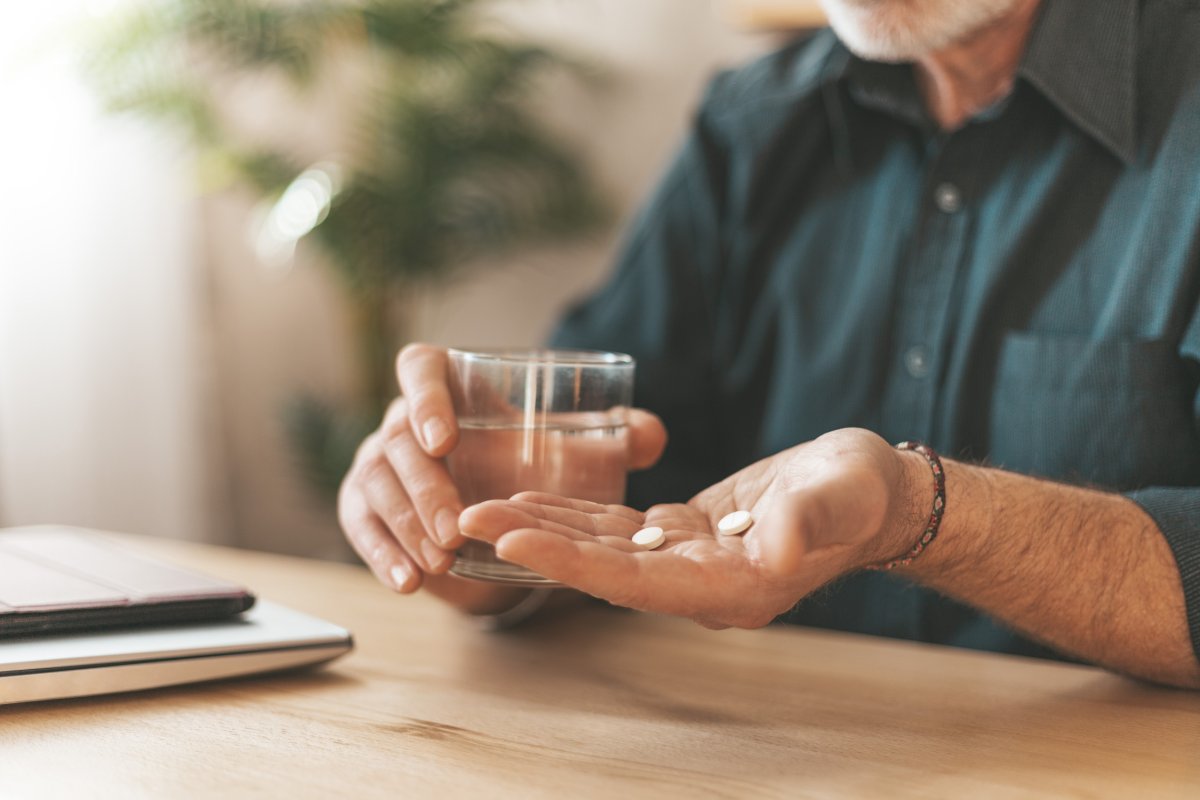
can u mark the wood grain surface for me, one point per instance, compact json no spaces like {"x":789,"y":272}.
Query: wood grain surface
{"x":602,"y":703}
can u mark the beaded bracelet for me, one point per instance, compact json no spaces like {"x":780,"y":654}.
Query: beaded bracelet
{"x":935,"y":518}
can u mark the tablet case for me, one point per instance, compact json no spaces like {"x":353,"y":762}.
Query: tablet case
{"x":56,"y":580}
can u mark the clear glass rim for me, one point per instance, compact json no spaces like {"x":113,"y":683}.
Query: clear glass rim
{"x":542,"y":357}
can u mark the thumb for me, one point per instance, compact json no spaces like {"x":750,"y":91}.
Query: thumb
{"x":819,"y":519}
{"x":647,"y":439}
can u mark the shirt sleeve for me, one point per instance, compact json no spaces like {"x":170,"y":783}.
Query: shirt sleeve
{"x":1176,"y":509}
{"x":658,"y":307}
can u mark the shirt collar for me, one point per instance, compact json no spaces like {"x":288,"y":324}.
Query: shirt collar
{"x":1081,"y":56}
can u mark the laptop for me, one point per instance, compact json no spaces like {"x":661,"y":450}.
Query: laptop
{"x":209,"y":638}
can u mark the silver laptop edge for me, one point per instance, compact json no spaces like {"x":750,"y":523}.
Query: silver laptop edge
{"x":267,"y":638}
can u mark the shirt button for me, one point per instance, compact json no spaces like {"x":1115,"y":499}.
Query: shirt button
{"x":948,"y":198}
{"x":916,"y":361}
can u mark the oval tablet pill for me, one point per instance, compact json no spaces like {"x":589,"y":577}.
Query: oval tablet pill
{"x":735,"y":523}
{"x":649,"y":538}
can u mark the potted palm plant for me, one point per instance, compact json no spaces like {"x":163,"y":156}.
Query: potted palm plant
{"x":444,"y":161}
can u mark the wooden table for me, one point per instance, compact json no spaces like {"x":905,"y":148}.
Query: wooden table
{"x":602,"y":703}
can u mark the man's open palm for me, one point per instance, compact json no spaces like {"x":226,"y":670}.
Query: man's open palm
{"x":819,"y":510}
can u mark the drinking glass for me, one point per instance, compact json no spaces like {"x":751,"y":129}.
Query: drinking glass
{"x":536,"y":420}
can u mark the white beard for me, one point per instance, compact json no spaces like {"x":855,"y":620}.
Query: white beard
{"x":904,"y":30}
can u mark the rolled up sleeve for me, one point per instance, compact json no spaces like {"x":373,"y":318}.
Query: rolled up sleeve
{"x":1176,"y":511}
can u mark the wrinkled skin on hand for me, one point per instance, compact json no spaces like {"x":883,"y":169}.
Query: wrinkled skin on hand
{"x":822,"y":509}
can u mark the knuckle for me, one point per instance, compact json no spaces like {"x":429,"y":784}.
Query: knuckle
{"x":397,"y":410}
{"x":396,"y":432}
{"x":352,"y":508}
{"x":377,"y":555}
{"x":369,"y":448}
{"x":424,"y":494}
{"x":423,"y":487}
{"x":404,"y":523}
{"x":398,"y":435}
{"x":363,"y":540}
{"x":417,"y":472}
{"x":374,"y":469}
{"x":423,"y":400}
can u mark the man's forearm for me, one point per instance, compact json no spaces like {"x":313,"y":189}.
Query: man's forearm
{"x":1086,"y":572}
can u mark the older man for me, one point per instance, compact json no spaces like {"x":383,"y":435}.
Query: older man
{"x":974,"y":223}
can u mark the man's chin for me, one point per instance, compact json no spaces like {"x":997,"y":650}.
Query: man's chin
{"x":906,"y":30}
{"x":881,"y":32}
{"x":887,"y":50}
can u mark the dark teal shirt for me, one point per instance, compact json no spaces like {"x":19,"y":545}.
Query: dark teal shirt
{"x":1021,"y":292}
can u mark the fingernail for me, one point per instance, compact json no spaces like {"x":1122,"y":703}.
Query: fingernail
{"x":401,"y":576}
{"x":435,"y":556}
{"x":446,"y":523}
{"x":435,"y":431}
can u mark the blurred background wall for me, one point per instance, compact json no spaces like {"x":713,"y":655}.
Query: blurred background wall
{"x":145,"y":355}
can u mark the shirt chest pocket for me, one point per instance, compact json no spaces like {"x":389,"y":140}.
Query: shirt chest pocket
{"x":1115,"y":413}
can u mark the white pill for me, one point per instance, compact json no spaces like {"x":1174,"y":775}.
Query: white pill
{"x":735,"y":523}
{"x":649,"y":538}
